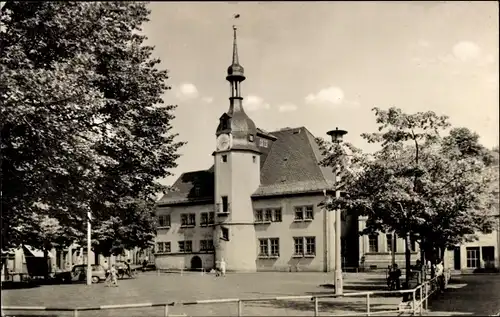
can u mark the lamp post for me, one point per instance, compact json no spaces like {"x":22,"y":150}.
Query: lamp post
{"x":89,"y":267}
{"x":337,"y":136}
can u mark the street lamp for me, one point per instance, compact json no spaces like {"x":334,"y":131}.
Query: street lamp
{"x":337,"y":136}
{"x":89,"y":267}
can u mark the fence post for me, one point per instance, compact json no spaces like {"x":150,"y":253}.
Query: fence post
{"x":240,"y":307}
{"x":368,"y":304}
{"x":316,"y":306}
{"x":426,"y":295}
{"x":165,"y":310}
{"x":75,"y":313}
{"x":414,"y":293}
{"x":421,"y":300}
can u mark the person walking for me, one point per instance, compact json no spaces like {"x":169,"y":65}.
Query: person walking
{"x":440,"y":275}
{"x":114,"y":276}
{"x":223,"y":267}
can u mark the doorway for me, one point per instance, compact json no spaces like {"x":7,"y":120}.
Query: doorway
{"x":488,"y":255}
{"x":456,"y":258}
{"x":196,"y":263}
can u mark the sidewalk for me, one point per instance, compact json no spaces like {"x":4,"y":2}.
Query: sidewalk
{"x":468,"y":295}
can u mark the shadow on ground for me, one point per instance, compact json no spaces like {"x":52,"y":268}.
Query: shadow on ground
{"x":19,"y":285}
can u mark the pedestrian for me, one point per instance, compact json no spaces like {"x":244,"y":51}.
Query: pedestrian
{"x":114,"y":275}
{"x":223,"y":267}
{"x":129,"y":269}
{"x":440,"y":275}
{"x":144,"y":264}
{"x":395,"y":274}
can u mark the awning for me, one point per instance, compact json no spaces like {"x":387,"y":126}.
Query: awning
{"x":35,"y":252}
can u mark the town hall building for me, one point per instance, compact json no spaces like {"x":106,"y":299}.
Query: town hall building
{"x":258,"y":206}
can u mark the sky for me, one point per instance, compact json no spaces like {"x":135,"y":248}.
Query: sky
{"x":324,"y":65}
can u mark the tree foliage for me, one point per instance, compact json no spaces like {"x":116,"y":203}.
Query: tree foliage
{"x":83,"y":125}
{"x":420,"y":185}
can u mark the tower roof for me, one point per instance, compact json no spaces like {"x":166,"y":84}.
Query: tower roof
{"x":235,"y":72}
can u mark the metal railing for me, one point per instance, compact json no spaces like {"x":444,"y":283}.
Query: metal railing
{"x":415,"y":304}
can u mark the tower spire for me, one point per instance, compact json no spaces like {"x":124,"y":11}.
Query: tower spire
{"x":235,"y":72}
{"x":235,"y":48}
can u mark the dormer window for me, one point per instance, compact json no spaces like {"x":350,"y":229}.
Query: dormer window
{"x":263,"y":143}
{"x":250,"y":137}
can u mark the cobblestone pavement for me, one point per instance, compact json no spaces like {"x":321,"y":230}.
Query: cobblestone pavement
{"x":170,"y":287}
{"x":477,"y":295}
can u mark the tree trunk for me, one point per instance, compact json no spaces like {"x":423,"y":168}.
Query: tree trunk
{"x":46,"y":264}
{"x":423,"y":273}
{"x":407,"y":258}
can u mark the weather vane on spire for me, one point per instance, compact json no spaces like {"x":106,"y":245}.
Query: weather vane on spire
{"x":235,"y":16}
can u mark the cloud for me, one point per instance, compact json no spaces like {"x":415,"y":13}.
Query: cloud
{"x":466,"y":51}
{"x":186,"y":91}
{"x":207,"y":99}
{"x":331,"y":95}
{"x":463,"y":52}
{"x":254,"y":103}
{"x":287,"y":107}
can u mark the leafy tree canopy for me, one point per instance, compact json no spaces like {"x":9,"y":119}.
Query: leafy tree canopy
{"x":438,"y":190}
{"x":83,"y":125}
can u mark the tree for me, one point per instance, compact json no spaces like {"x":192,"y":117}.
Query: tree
{"x":83,"y":125}
{"x":415,"y":184}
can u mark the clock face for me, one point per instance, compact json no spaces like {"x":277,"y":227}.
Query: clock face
{"x":223,"y":141}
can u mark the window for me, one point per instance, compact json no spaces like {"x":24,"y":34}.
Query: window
{"x":204,"y":219}
{"x":268,"y":215}
{"x":263,"y":247}
{"x":197,"y":191}
{"x":250,"y":137}
{"x":164,"y":221}
{"x":304,"y":246}
{"x":269,"y":247}
{"x":186,"y":246}
{"x":206,"y":245}
{"x":224,"y":123}
{"x":224,"y":158}
{"x":391,"y":243}
{"x":188,"y":220}
{"x":304,"y":213}
{"x":207,"y":218}
{"x":299,"y":214}
{"x":254,"y":158}
{"x":159,"y":247}
{"x":309,"y":213}
{"x":298,"y":246}
{"x":310,"y":245}
{"x":259,"y":216}
{"x":163,"y":247}
{"x":225,"y":204}
{"x":277,"y":215}
{"x":372,"y":243}
{"x":225,"y":234}
{"x":275,"y":246}
{"x":263,"y":143}
{"x":472,"y":257}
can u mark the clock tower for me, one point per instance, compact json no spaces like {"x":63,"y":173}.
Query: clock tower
{"x":237,"y":176}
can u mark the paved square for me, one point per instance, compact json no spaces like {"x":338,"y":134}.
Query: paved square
{"x":172,"y":287}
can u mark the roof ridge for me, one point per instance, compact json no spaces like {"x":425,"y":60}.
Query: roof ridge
{"x":317,"y":154}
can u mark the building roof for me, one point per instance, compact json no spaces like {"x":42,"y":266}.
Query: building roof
{"x":289,"y":166}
